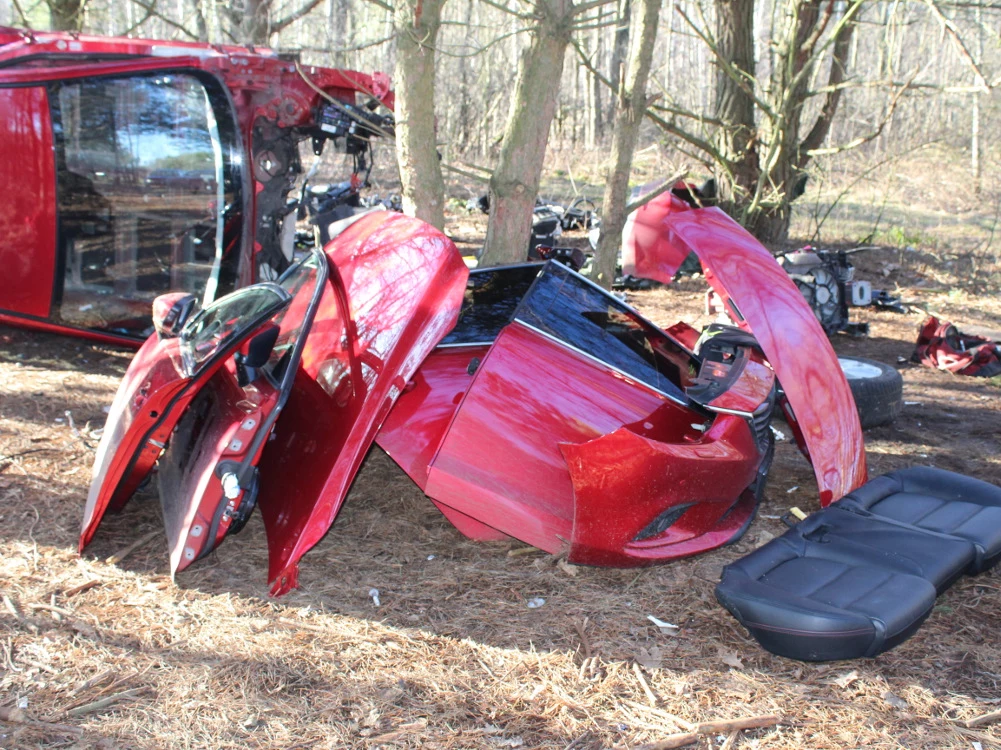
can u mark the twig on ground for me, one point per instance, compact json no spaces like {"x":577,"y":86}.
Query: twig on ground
{"x":725,"y":726}
{"x":81,"y":588}
{"x":668,"y":743}
{"x":87,"y":684}
{"x":103,"y":703}
{"x":643,"y":683}
{"x":119,"y":556}
{"x":983,"y":720}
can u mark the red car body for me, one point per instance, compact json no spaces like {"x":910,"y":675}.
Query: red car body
{"x":526,"y":403}
{"x":762,"y":299}
{"x":143,"y":167}
{"x":353,"y":324}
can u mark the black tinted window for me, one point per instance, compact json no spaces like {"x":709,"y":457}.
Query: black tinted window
{"x":589,"y":319}
{"x":492,"y":296}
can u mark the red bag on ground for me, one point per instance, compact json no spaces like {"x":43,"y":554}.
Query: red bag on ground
{"x":941,"y":345}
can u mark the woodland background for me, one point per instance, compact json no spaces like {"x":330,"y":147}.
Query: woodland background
{"x":853,"y":95}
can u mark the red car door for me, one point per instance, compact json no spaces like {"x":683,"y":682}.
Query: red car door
{"x":95,"y":230}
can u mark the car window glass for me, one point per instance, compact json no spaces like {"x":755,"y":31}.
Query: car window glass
{"x":490,"y":300}
{"x":226,"y":320}
{"x":147,"y":189}
{"x":300,"y":282}
{"x":570,"y":309}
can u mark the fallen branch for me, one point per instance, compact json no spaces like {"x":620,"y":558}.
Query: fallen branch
{"x":983,"y":720}
{"x":103,"y":703}
{"x":725,"y":726}
{"x":675,"y":740}
{"x":643,"y":683}
{"x":81,"y":588}
{"x":732,"y":725}
{"x":119,"y":556}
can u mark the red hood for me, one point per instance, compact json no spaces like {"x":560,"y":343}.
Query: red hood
{"x":764,"y":300}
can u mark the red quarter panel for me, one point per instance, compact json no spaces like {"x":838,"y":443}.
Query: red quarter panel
{"x":28,"y":208}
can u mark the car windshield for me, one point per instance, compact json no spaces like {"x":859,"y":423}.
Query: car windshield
{"x":491,"y":297}
{"x":567,"y":307}
{"x":227,"y":319}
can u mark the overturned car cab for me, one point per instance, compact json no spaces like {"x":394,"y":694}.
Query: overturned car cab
{"x":144,"y":167}
{"x":525,"y":401}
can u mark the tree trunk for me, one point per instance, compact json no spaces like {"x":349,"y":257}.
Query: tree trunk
{"x":66,"y":15}
{"x":515,"y":182}
{"x":620,"y":48}
{"x":630,"y":108}
{"x":417,"y":23}
{"x":250,"y":22}
{"x":734,"y":104}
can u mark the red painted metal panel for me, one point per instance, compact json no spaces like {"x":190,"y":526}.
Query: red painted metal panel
{"x":88,"y":335}
{"x":765,"y":301}
{"x":623,"y":481}
{"x":397,"y":285}
{"x":504,"y":461}
{"x":191,"y":492}
{"x":28,"y":208}
{"x":647,"y":248}
{"x":261,"y":85}
{"x":415,"y":427}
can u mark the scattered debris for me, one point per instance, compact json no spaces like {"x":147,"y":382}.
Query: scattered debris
{"x":895,"y":701}
{"x":942,"y":346}
{"x":711,"y":728}
{"x":846,"y":679}
{"x":665,"y":627}
{"x":730,"y":659}
{"x":535,"y":602}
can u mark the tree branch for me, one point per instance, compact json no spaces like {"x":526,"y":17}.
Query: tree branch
{"x":291,"y":18}
{"x":509,"y":11}
{"x":384,"y":5}
{"x":839,"y":61}
{"x":699,"y":143}
{"x":862,"y":139}
{"x":666,"y":185}
{"x":960,"y":45}
{"x":740,"y":77}
{"x":153,"y":12}
{"x":584,"y":7}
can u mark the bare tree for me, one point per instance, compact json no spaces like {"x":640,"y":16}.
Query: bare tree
{"x":417,"y":23}
{"x":66,"y":15}
{"x":631,"y":105}
{"x":252,"y":22}
{"x":759,"y":151}
{"x":515,"y":181}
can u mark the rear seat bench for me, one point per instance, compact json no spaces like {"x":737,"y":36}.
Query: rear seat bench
{"x":860,"y":576}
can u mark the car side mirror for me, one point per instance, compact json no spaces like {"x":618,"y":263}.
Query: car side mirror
{"x":258,"y":352}
{"x":171,"y":312}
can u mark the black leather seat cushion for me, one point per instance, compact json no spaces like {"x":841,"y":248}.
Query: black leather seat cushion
{"x":861,"y":576}
{"x":938,"y":501}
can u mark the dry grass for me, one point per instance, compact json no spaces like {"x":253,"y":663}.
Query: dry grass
{"x":103,"y":655}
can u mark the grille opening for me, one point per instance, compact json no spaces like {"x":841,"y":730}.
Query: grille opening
{"x":662,"y":522}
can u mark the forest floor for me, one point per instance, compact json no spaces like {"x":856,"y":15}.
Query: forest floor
{"x":117,"y":655}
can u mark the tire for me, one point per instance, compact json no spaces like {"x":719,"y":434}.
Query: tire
{"x":878,"y":390}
